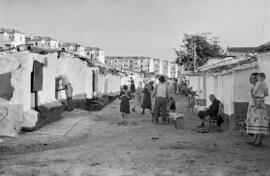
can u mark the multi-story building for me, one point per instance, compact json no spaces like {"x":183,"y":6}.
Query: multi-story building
{"x":154,"y":65}
{"x":131,"y":63}
{"x":43,"y":42}
{"x":165,"y":67}
{"x":88,"y":52}
{"x":11,"y":38}
{"x":70,"y":47}
{"x":173,"y":70}
{"x":95,"y":53}
{"x":144,"y":64}
{"x":98,"y":54}
{"x":80,"y":50}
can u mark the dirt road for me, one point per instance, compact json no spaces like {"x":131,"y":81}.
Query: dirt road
{"x":92,"y":143}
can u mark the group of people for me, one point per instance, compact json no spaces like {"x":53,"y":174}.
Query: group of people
{"x":257,"y":121}
{"x":142,"y":96}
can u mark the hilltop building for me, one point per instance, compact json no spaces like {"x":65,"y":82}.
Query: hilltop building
{"x":11,"y":38}
{"x":43,"y":42}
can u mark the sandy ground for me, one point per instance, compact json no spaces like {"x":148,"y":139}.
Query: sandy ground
{"x":92,"y":143}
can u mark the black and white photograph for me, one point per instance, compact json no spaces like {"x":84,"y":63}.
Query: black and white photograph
{"x":134,"y":87}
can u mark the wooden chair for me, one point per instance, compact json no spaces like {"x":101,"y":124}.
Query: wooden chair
{"x":213,"y":120}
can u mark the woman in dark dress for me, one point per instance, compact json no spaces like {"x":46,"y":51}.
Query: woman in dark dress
{"x":125,"y":96}
{"x":146,"y":103}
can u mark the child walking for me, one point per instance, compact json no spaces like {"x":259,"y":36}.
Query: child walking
{"x":125,"y":96}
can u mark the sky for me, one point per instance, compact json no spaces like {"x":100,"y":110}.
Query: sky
{"x":140,"y":27}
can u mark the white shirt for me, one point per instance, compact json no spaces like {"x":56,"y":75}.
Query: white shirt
{"x":161,"y":90}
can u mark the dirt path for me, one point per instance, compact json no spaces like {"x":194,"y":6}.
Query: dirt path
{"x":92,"y":143}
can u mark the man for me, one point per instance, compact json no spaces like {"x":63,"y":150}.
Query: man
{"x":66,"y":84}
{"x":212,"y":111}
{"x":161,"y":96}
{"x":132,"y":91}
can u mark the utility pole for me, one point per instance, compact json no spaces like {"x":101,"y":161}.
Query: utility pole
{"x":194,"y":57}
{"x":215,"y":41}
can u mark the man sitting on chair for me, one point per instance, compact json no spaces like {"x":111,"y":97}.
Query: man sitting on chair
{"x":212,"y":111}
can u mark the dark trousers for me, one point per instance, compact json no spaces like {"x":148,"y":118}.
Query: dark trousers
{"x":69,"y":103}
{"x":203,"y":114}
{"x":160,"y":103}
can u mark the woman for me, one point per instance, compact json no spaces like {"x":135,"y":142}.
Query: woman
{"x":146,"y":103}
{"x":257,"y":119}
{"x":133,"y":94}
{"x":161,"y":96}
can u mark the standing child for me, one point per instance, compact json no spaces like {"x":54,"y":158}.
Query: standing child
{"x":125,"y":96}
{"x":260,"y":91}
{"x":172,"y":105}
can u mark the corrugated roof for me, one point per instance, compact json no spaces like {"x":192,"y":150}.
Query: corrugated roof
{"x":242,"y":49}
{"x":226,"y":63}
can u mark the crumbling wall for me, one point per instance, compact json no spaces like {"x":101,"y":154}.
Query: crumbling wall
{"x":16,"y":112}
{"x":16,"y":68}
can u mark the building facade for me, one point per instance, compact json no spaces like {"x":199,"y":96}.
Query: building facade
{"x":70,"y":47}
{"x":143,"y":64}
{"x":130,"y":63}
{"x":11,"y":38}
{"x":42,"y":42}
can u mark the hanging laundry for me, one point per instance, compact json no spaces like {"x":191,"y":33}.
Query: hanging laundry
{"x":37,"y":77}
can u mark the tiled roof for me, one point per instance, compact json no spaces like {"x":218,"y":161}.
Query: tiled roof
{"x":96,"y":48}
{"x":34,"y":38}
{"x":242,"y":49}
{"x":65,"y":44}
{"x":88,"y":48}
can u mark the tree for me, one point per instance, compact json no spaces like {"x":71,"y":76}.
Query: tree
{"x":264,"y":48}
{"x":204,"y":49}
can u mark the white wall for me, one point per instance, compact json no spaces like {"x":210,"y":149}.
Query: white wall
{"x":101,"y":56}
{"x":19,"y":39}
{"x":113,"y":85}
{"x":210,"y":87}
{"x":242,"y":85}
